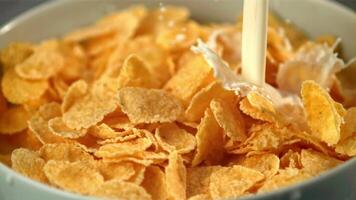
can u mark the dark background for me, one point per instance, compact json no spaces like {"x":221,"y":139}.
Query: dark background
{"x":11,"y":8}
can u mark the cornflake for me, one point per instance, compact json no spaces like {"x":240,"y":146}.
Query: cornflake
{"x":149,"y":105}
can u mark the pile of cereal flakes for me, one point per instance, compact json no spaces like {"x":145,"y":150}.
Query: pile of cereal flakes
{"x":123,"y":109}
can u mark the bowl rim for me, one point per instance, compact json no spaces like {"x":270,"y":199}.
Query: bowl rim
{"x":12,"y":174}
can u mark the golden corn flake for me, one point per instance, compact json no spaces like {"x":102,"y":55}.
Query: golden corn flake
{"x":80,"y":177}
{"x":59,"y":128}
{"x":284,"y":178}
{"x":201,"y":100}
{"x":159,"y":19}
{"x":291,"y":159}
{"x":118,"y":171}
{"x":13,"y":120}
{"x":28,"y":163}
{"x":91,"y":109}
{"x":103,"y":131}
{"x":76,"y":91}
{"x":41,"y":65}
{"x":145,"y":48}
{"x":209,"y":140}
{"x":125,"y":21}
{"x":198,"y":179}
{"x":172,"y":138}
{"x":64,"y":152}
{"x":320,"y":107}
{"x":121,"y":123}
{"x":248,"y":109}
{"x":349,"y":126}
{"x":139,"y":174}
{"x":136,"y":160}
{"x":38,"y":123}
{"x":118,"y":190}
{"x":18,"y":90}
{"x":259,"y":107}
{"x":14,"y":54}
{"x":233,"y":181}
{"x":75,"y":57}
{"x":347,"y":146}
{"x":266,"y":137}
{"x":135,"y":73}
{"x":179,"y":37}
{"x":120,"y":137}
{"x":200,"y":197}
{"x":176,"y":179}
{"x":59,"y":87}
{"x":155,"y":183}
{"x":194,"y":75}
{"x":229,"y":118}
{"x":314,"y":162}
{"x":267,"y":164}
{"x":124,"y":148}
{"x":149,"y":105}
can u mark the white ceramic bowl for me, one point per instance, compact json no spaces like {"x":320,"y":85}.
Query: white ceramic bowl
{"x":315,"y":17}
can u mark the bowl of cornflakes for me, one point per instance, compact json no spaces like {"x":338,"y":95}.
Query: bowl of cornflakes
{"x":144,"y":100}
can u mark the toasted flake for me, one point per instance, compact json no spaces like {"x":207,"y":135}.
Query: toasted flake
{"x":75,"y":91}
{"x":14,"y":54}
{"x":139,"y":175}
{"x":124,"y":23}
{"x":284,"y":178}
{"x":118,"y":171}
{"x":193,"y":76}
{"x":38,"y":123}
{"x":18,"y":90}
{"x":233,"y":182}
{"x":172,"y":138}
{"x":229,"y":118}
{"x":200,"y":197}
{"x":201,"y":100}
{"x":149,"y":105}
{"x":267,"y":164}
{"x":155,"y":183}
{"x":248,"y":109}
{"x":92,"y":108}
{"x":28,"y":163}
{"x":135,"y":73}
{"x":118,"y":190}
{"x":103,"y":131}
{"x":176,"y":177}
{"x":349,"y":126}
{"x":291,"y":159}
{"x":266,"y":137}
{"x":41,"y":65}
{"x":314,"y":162}
{"x":13,"y":120}
{"x":209,"y":140}
{"x":64,"y":152}
{"x":124,"y":148}
{"x":59,"y":128}
{"x":80,"y":177}
{"x":198,"y":179}
{"x":319,"y":107}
